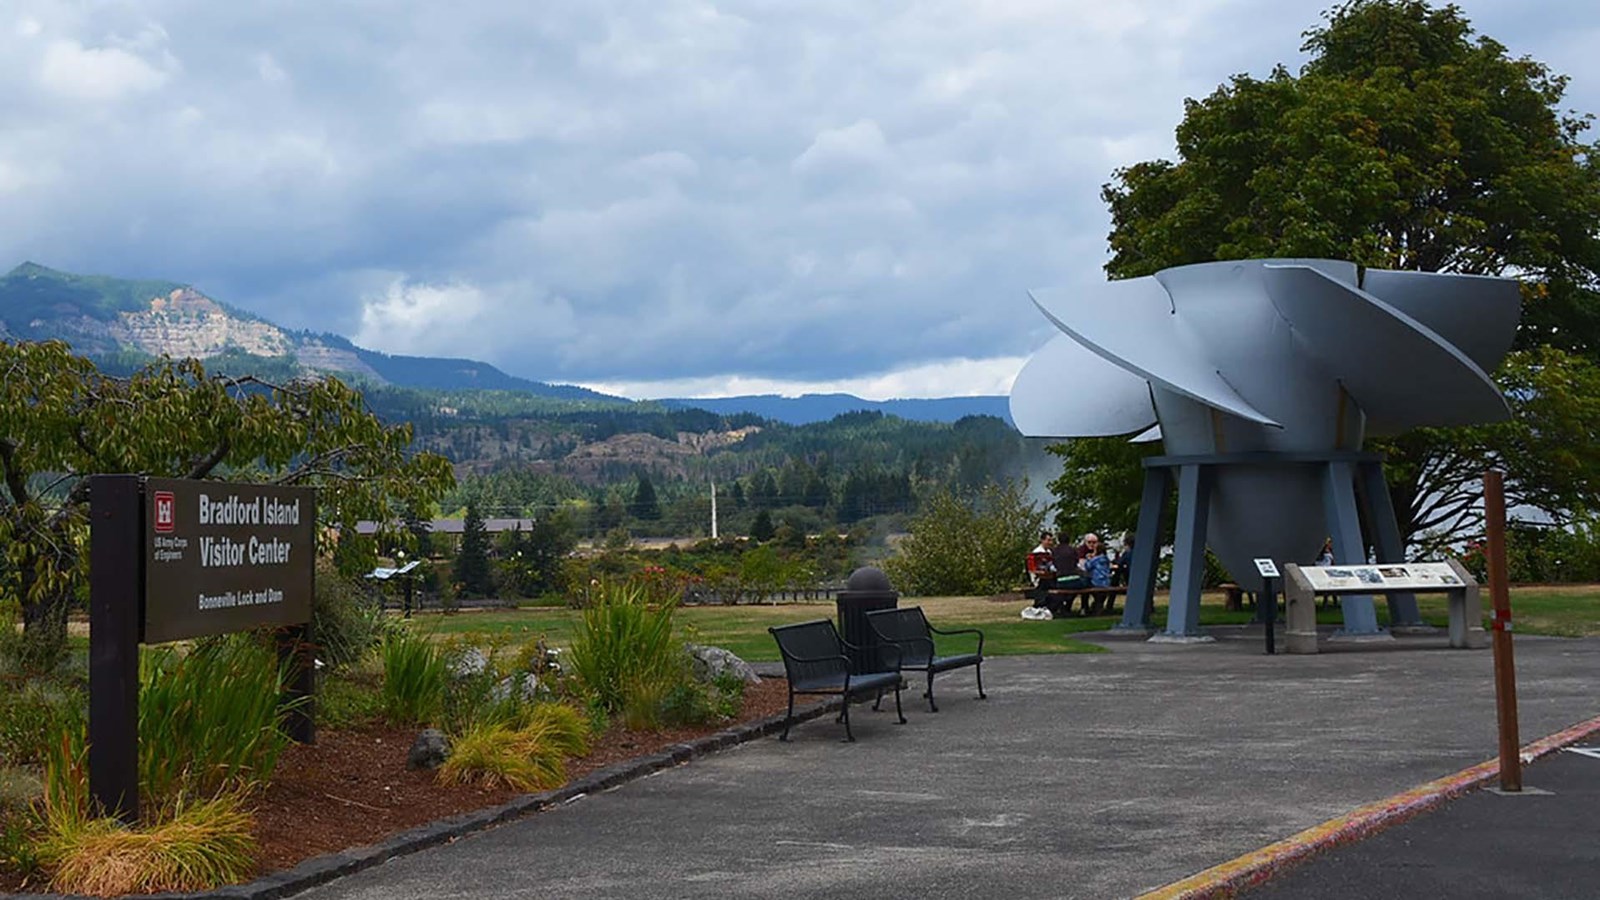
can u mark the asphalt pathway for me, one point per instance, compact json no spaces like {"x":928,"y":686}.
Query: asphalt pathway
{"x":1099,"y":775}
{"x":1542,"y":844}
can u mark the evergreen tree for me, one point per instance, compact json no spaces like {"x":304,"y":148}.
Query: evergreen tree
{"x":472,"y":561}
{"x":761,"y":530}
{"x":645,"y":504}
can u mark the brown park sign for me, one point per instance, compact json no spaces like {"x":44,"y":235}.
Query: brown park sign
{"x":221,"y":556}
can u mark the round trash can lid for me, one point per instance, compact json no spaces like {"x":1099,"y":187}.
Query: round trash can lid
{"x":868,"y":578}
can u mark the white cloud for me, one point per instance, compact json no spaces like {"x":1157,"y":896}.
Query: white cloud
{"x":637,"y":192}
{"x":96,"y":73}
{"x":947,"y":378}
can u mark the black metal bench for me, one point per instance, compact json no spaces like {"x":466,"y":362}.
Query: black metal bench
{"x":910,"y":630}
{"x":814,"y":660}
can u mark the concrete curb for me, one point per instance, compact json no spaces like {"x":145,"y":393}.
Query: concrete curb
{"x":1258,"y":866}
{"x":323,"y":869}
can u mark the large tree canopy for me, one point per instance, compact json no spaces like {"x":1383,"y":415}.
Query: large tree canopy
{"x":62,"y":420}
{"x":1406,"y":142}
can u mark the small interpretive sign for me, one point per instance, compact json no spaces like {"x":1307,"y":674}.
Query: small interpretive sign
{"x":1266,"y":568}
{"x":1390,"y":577}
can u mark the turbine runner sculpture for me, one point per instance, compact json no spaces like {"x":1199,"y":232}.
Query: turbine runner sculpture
{"x":1263,"y":378}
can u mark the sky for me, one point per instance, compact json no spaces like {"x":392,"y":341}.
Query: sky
{"x":650,"y":197}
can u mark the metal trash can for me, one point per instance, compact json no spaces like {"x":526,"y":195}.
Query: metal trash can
{"x":867,"y":590}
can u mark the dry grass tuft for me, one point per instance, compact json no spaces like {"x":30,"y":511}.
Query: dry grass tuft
{"x":206,"y":845}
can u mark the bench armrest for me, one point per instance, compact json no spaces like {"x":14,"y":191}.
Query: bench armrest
{"x":899,"y":657}
{"x":975,"y":631}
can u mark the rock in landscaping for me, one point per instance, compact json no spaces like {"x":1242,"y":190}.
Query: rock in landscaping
{"x":711,"y":662}
{"x":472,"y":662}
{"x":429,"y":750}
{"x":526,"y":686}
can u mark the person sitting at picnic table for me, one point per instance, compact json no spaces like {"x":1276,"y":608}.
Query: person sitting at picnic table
{"x":1123,"y":564}
{"x":1087,"y":550}
{"x":1042,"y":567}
{"x":1097,"y":569}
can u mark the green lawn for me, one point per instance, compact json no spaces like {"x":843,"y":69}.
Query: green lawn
{"x":1567,"y":610}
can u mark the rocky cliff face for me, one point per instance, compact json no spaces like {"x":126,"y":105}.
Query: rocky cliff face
{"x":188,"y":323}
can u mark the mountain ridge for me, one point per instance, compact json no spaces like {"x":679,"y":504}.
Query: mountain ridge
{"x":126,"y":320}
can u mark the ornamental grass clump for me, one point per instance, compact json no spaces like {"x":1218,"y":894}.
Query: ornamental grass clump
{"x":528,"y":756}
{"x":625,"y":656}
{"x":416,"y":675}
{"x":209,"y":720}
{"x":206,"y":844}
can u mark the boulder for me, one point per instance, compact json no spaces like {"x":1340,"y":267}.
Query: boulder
{"x":711,"y":662}
{"x":471,"y":663}
{"x":526,"y":686}
{"x":429,"y":750}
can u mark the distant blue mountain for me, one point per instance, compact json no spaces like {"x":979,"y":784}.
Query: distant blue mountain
{"x":809,"y":408}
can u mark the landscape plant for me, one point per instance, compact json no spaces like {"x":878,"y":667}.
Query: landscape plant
{"x":624,"y":655}
{"x":209,"y":719}
{"x":416,"y":675}
{"x":525,"y":755}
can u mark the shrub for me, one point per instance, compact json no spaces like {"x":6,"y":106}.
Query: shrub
{"x":209,"y":720}
{"x":972,"y":545}
{"x":530,"y":756}
{"x":204,"y":845}
{"x":415,"y":677}
{"x":624,"y":655}
{"x":30,"y":715}
{"x":345,"y":625}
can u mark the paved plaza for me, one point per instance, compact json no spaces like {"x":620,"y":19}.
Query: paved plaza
{"x":1082,"y":776}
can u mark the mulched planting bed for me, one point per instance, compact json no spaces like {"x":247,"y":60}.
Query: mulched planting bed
{"x":352,"y":788}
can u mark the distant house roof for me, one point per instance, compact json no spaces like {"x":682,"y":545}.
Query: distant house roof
{"x":455,"y":526}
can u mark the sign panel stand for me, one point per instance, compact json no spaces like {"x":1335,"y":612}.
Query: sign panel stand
{"x":116,"y":559}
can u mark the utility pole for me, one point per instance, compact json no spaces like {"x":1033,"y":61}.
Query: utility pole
{"x":713,"y":510}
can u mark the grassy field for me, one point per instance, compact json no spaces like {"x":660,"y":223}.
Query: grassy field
{"x":1566,"y":610}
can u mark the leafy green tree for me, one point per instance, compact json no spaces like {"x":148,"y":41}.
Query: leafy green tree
{"x":1406,"y":142}
{"x":62,"y":420}
{"x":471,"y":572}
{"x":973,"y":545}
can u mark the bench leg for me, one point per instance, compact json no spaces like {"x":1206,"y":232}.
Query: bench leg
{"x":897,"y":710}
{"x":877,"y":703}
{"x":844,"y":713}
{"x":788,"y":718}
{"x":979,"y":669}
{"x":931,"y":706}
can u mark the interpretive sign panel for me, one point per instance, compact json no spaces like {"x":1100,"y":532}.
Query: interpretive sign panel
{"x":1266,"y":568}
{"x":221,"y":556}
{"x":1393,"y":577}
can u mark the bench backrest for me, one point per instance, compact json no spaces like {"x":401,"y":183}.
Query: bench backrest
{"x":810,"y":650}
{"x":906,"y":628}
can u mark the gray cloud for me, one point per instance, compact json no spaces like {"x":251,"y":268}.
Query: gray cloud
{"x":627,"y":191}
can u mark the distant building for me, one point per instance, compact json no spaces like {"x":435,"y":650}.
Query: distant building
{"x":453,"y":526}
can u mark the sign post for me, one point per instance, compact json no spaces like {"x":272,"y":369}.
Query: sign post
{"x":1268,"y":570}
{"x":172,"y":559}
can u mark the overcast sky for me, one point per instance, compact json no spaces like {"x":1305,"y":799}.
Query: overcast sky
{"x":654,"y":197}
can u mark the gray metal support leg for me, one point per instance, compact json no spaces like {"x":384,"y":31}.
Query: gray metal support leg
{"x":1189,"y":552}
{"x":1339,"y":499}
{"x":1146,"y":551}
{"x":1403,"y":611}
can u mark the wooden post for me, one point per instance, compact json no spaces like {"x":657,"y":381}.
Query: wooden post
{"x":1505,"y":673}
{"x":116,"y":574}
